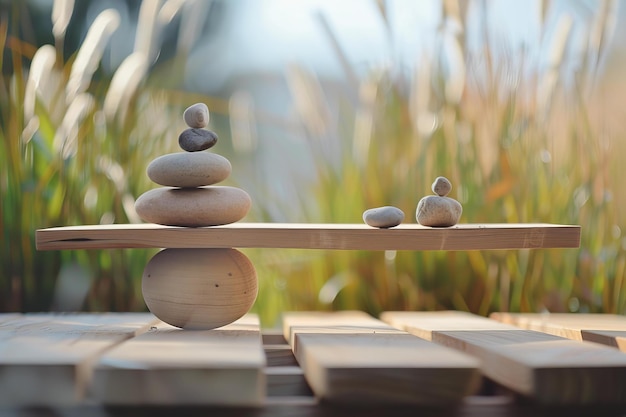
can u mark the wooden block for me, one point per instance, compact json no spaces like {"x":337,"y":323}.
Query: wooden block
{"x":279,"y":355}
{"x":548,"y":368}
{"x":273,"y":337}
{"x":312,"y":236}
{"x":173,"y":366}
{"x":607,"y":329}
{"x":286,"y":381}
{"x":45,"y":359}
{"x":350,"y":357}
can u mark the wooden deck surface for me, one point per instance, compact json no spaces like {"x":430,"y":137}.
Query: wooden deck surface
{"x":318,"y":365}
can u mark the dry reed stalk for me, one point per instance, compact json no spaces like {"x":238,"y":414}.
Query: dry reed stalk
{"x":90,"y":53}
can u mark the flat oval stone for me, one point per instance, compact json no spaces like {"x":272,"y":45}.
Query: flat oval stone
{"x":436,"y":211}
{"x":189,"y":169}
{"x":383,"y":217}
{"x":199,"y":288}
{"x":193,"y":207}
{"x":441,"y":186}
{"x":197,"y":115}
{"x":195,"y":140}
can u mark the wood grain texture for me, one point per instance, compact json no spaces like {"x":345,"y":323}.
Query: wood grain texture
{"x":45,"y":359}
{"x":312,"y":236}
{"x":351,"y":358}
{"x":607,"y":329}
{"x":550,"y":369}
{"x":169,"y":366}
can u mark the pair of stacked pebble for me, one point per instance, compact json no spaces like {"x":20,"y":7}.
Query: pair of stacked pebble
{"x":199,"y":288}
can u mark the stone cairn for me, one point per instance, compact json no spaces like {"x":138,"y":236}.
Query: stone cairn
{"x":200,"y":288}
{"x":189,"y":196}
{"x":437,"y":210}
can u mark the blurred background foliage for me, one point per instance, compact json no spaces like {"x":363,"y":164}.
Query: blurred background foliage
{"x":528,"y":132}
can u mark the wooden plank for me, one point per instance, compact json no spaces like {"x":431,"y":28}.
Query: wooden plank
{"x":45,"y":359}
{"x":182,"y":367}
{"x":352,"y":358}
{"x":423,"y":324}
{"x":312,"y":236}
{"x":326,"y":322}
{"x":548,"y":368}
{"x":607,"y":329}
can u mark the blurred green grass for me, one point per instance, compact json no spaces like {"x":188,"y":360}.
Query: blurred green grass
{"x":518,"y":146}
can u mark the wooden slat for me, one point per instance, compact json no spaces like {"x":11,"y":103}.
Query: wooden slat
{"x":325,"y":322}
{"x":353,"y":358}
{"x":172,"y":366}
{"x":548,"y":368}
{"x":312,"y":236}
{"x":45,"y":359}
{"x":423,"y":324}
{"x":608,"y":329}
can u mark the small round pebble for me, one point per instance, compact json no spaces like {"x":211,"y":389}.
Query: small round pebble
{"x":383,"y":217}
{"x":195,"y":140}
{"x":441,"y":186}
{"x":197,"y":116}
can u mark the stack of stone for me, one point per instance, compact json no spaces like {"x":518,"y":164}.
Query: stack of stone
{"x":439,"y":210}
{"x":189,"y":196}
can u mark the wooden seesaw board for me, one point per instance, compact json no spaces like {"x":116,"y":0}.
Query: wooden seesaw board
{"x":312,"y":236}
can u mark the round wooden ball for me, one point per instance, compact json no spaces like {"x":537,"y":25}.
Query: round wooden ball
{"x":199,"y":288}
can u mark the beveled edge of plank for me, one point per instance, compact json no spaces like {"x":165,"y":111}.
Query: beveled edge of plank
{"x":613,"y":338}
{"x":312,"y":236}
{"x":606,"y":329}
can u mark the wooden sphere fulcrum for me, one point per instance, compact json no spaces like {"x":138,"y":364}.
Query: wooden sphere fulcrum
{"x":199,"y":288}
